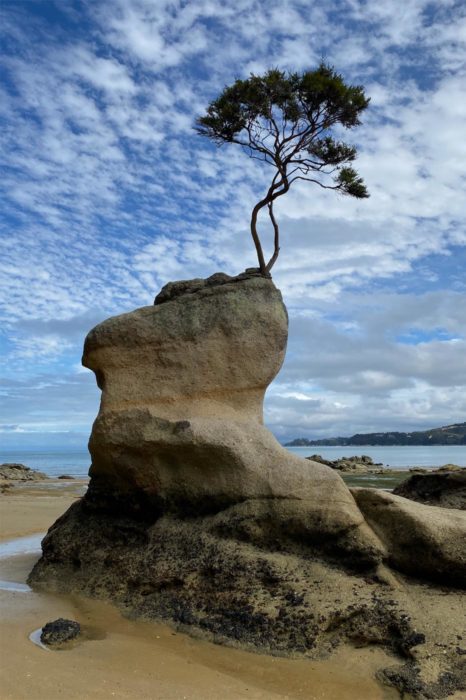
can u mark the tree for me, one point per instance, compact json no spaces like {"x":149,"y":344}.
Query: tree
{"x":288,"y":121}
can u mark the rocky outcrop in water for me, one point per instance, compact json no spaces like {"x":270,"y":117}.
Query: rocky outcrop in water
{"x":353,"y":465}
{"x":194,"y":512}
{"x":19,"y":472}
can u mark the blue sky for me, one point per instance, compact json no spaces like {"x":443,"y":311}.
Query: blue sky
{"x":108,"y":193}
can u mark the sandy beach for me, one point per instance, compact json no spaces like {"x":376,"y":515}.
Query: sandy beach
{"x":121,"y":658}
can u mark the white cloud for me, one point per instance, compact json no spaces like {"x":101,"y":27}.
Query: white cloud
{"x":40,"y":348}
{"x":109,"y":193}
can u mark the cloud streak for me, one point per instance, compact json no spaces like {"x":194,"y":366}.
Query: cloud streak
{"x":108,"y":194}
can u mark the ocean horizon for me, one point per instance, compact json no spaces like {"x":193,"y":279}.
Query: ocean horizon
{"x":76,"y":463}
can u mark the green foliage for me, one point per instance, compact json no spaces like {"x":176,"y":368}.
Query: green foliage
{"x":350,"y":183}
{"x":286,"y":120}
{"x":319,"y":98}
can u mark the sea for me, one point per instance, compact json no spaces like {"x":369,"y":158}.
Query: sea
{"x":76,"y":463}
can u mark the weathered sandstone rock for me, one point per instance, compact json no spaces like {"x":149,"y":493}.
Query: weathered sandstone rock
{"x":194,"y":512}
{"x":422,"y":540}
{"x":208,"y":354}
{"x":180,"y":423}
{"x":236,"y":575}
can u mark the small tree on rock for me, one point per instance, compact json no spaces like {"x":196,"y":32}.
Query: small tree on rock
{"x":288,"y":120}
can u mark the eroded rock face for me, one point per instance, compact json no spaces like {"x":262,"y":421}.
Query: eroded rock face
{"x":206,"y":353}
{"x":180,"y":424}
{"x":422,"y":540}
{"x":180,"y":429}
{"x":195,"y":513}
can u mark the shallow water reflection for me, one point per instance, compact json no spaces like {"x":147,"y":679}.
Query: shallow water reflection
{"x":21,"y":545}
{"x":35,"y":639}
{"x":14,"y":587}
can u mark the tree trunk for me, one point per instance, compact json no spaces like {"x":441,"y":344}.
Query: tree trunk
{"x":255,"y":237}
{"x":268,"y":201}
{"x":276,"y":239}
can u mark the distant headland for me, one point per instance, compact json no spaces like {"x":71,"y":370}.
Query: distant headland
{"x":447,"y":435}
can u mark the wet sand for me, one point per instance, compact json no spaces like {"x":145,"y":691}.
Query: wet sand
{"x":121,"y":658}
{"x":30,"y":507}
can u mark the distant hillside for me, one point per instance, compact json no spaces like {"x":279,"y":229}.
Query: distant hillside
{"x":447,"y":435}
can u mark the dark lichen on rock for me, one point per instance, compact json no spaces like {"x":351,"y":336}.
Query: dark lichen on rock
{"x":59,"y":632}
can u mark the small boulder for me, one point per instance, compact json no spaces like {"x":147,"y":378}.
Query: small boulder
{"x":66,"y":476}
{"x":59,"y":631}
{"x":362,"y":464}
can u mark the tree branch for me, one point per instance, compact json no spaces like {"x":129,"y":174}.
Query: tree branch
{"x":310,"y":179}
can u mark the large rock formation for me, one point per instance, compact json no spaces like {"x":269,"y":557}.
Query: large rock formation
{"x":180,"y":427}
{"x":194,"y":512}
{"x":444,"y":487}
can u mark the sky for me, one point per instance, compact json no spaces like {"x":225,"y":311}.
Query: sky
{"x":108,"y":193}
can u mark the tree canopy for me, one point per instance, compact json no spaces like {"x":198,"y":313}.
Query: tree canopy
{"x":288,"y":120}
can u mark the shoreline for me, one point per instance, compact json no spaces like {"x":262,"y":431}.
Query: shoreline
{"x":376,"y":476}
{"x":401,"y":458}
